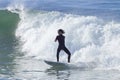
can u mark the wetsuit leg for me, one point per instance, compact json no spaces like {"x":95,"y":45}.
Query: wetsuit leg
{"x":68,"y":52}
{"x":58,"y":51}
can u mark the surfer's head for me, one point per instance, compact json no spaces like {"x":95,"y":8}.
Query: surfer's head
{"x":61,"y":31}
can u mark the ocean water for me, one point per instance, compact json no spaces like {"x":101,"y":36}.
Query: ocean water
{"x":28,"y":29}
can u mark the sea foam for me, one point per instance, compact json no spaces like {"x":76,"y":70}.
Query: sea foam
{"x":89,"y":38}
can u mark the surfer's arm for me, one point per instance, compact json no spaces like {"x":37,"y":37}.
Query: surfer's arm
{"x":55,"y":39}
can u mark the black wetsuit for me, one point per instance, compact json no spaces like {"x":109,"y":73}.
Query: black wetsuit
{"x":61,"y":40}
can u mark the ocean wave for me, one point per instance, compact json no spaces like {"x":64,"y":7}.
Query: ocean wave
{"x":89,"y":38}
{"x":8,"y":22}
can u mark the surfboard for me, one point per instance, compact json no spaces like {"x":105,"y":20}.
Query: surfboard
{"x":80,"y":65}
{"x":57,"y":64}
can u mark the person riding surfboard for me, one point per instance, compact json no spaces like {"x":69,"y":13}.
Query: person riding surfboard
{"x":61,"y":40}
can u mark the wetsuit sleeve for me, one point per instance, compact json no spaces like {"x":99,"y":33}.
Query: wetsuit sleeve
{"x":56,"y":38}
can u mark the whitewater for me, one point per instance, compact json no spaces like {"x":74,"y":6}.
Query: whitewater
{"x":91,"y":36}
{"x":88,"y":38}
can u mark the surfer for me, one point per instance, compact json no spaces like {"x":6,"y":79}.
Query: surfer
{"x":61,"y":40}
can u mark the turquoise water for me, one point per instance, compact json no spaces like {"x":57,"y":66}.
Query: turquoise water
{"x":8,"y":22}
{"x":28,"y":29}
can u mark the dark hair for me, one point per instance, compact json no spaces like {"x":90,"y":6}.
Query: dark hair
{"x":61,"y":30}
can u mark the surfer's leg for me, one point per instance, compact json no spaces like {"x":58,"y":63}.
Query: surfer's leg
{"x":58,"y":51}
{"x":68,"y":52}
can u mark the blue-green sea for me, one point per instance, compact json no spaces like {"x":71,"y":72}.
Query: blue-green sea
{"x":28,"y":29}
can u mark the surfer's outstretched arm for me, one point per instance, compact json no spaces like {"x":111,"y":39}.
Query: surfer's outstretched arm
{"x":55,"y":39}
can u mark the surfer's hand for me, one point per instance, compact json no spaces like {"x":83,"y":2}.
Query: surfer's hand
{"x":55,"y":40}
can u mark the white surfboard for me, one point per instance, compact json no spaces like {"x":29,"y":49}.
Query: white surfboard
{"x":81,"y":65}
{"x":57,"y":64}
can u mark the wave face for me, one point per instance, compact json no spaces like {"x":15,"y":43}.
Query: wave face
{"x":8,"y":23}
{"x":89,"y":38}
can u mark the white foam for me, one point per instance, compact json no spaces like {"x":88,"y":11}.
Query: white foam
{"x":16,"y":6}
{"x":88,"y":38}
